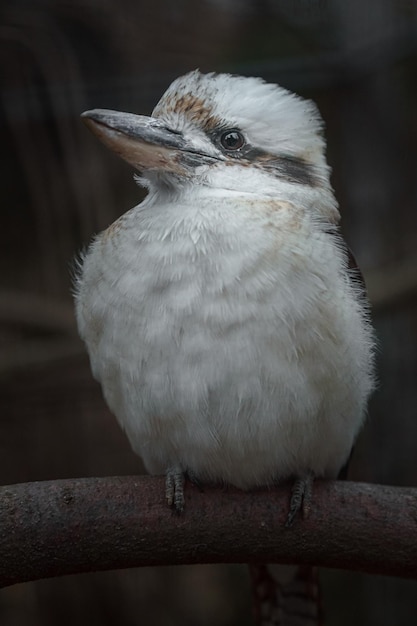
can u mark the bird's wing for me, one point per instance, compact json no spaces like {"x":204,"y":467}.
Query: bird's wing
{"x":354,"y":271}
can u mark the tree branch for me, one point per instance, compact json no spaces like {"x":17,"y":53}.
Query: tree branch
{"x":70,"y":526}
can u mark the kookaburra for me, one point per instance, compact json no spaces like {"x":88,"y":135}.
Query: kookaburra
{"x":229,"y":334}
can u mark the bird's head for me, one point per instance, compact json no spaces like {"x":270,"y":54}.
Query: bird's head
{"x":225,"y":133}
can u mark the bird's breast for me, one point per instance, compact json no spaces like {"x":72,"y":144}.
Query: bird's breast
{"x":195,"y":279}
{"x":217,"y":333}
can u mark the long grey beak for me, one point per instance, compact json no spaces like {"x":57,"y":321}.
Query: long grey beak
{"x":144,"y":142}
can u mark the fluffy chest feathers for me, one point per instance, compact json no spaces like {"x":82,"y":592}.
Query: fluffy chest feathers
{"x":228,"y":338}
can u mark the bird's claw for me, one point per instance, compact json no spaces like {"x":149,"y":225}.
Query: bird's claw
{"x":300,"y":497}
{"x":174,"y":489}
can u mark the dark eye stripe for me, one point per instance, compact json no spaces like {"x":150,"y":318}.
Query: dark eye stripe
{"x":293,"y":169}
{"x":290,"y":168}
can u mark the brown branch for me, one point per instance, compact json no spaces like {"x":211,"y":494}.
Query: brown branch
{"x":70,"y":526}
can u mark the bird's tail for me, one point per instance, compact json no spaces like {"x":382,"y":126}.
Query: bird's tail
{"x":286,"y":595}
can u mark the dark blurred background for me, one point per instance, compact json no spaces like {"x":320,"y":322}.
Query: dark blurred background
{"x":59,"y":186}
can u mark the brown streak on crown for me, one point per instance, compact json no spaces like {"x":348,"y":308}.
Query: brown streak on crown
{"x":193,"y":108}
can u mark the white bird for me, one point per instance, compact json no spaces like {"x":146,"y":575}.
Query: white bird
{"x":229,"y":335}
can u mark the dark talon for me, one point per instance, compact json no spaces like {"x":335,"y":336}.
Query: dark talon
{"x":174,"y":489}
{"x":300,"y":497}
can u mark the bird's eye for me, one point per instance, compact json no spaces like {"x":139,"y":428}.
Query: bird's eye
{"x":232,"y":140}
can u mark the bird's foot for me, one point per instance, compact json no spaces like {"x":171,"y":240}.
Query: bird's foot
{"x":174,"y":488}
{"x":301,"y":493}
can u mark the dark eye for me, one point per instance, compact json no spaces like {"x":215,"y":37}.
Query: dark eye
{"x":232,"y":140}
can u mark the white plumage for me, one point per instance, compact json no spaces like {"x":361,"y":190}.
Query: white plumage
{"x":220,"y":317}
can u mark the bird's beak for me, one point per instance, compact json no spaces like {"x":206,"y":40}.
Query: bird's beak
{"x":144,"y":142}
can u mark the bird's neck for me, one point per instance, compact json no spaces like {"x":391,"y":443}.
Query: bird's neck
{"x":319,"y":202}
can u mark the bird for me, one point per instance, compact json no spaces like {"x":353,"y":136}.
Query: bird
{"x":223,"y":315}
